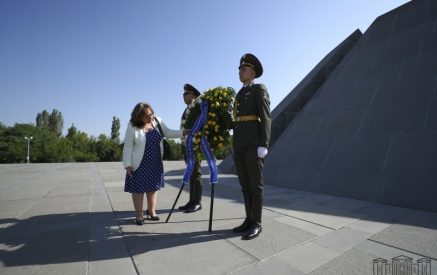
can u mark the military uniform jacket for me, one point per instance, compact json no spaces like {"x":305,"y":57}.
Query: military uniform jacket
{"x":252,"y":100}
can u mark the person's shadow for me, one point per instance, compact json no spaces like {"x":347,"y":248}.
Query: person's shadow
{"x":75,"y":237}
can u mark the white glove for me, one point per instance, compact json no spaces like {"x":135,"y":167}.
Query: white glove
{"x":262,"y":152}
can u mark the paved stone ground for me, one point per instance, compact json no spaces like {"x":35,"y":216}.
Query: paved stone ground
{"x":74,"y":218}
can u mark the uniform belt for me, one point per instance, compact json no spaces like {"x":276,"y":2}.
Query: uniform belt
{"x":246,"y":118}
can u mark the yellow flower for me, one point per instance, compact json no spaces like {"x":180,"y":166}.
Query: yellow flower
{"x":217,"y":128}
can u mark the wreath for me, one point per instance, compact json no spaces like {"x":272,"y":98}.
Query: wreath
{"x":216,"y":129}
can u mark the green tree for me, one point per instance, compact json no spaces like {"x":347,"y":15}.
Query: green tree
{"x":83,"y":147}
{"x":71,"y":131}
{"x":175,"y":149}
{"x":42,"y":119}
{"x":108,"y":149}
{"x":115,"y":129}
{"x":56,"y":122}
{"x":13,"y":146}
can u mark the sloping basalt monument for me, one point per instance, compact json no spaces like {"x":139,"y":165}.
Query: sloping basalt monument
{"x":369,"y":131}
{"x":294,"y":102}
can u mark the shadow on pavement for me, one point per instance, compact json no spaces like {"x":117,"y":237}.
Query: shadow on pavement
{"x":75,"y":237}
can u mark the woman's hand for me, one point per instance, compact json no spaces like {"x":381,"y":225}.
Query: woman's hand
{"x":129,"y":171}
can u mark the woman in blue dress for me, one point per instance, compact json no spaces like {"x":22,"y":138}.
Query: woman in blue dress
{"x":142,"y":159}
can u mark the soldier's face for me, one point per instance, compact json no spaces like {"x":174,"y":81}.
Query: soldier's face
{"x":246,"y":74}
{"x":188,"y":97}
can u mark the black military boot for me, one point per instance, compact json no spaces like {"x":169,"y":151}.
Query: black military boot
{"x":186,"y":206}
{"x":253,"y":232}
{"x":242,"y":228}
{"x":195,"y":206}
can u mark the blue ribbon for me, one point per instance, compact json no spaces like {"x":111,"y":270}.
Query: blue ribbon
{"x":204,"y":146}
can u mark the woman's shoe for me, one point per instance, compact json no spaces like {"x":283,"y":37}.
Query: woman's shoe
{"x":139,"y":222}
{"x":153,"y":218}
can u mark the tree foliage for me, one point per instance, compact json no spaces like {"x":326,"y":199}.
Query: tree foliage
{"x":54,"y":122}
{"x":115,"y":129}
{"x":48,"y":144}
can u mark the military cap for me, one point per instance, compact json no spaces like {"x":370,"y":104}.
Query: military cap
{"x":190,"y":88}
{"x":250,"y":60}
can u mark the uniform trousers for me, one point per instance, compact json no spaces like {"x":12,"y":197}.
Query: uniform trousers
{"x":195,"y":181}
{"x":249,"y":170}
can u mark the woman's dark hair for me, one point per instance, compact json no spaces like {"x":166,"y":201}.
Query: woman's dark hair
{"x":138,"y":113}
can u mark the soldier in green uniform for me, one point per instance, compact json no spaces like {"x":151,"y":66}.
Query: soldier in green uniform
{"x":194,"y":204}
{"x":252,"y":124}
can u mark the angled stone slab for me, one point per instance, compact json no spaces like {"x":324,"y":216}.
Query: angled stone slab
{"x":310,"y":227}
{"x":362,"y":186}
{"x":409,"y":18}
{"x":275,"y":238}
{"x":371,"y":227}
{"x":389,"y":252}
{"x":383,"y":212}
{"x":413,"y":153}
{"x":342,"y":124}
{"x":406,"y":116}
{"x":308,"y":257}
{"x":267,"y":267}
{"x":410,"y":191}
{"x":361,"y":93}
{"x":411,"y":238}
{"x":295,"y":200}
{"x":214,"y":256}
{"x":329,"y":218}
{"x":298,"y":163}
{"x":364,"y":154}
{"x":352,"y":262}
{"x":419,"y":218}
{"x":343,"y":239}
{"x":431,"y":123}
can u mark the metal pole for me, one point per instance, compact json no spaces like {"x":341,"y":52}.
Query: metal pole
{"x":174,"y":204}
{"x":211,"y":208}
{"x":28,"y":148}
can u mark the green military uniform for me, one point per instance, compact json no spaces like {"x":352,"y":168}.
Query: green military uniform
{"x":196,"y":176}
{"x":251,"y":130}
{"x":193,"y":204}
{"x":251,"y":139}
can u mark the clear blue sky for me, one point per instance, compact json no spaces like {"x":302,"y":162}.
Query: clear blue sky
{"x":95,"y":59}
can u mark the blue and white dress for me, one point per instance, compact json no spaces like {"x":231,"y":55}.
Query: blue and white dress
{"x":149,"y":176}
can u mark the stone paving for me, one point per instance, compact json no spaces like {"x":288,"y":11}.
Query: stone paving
{"x":75,"y":218}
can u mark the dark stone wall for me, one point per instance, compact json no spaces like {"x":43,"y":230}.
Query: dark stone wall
{"x":369,"y":130}
{"x":294,"y":102}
